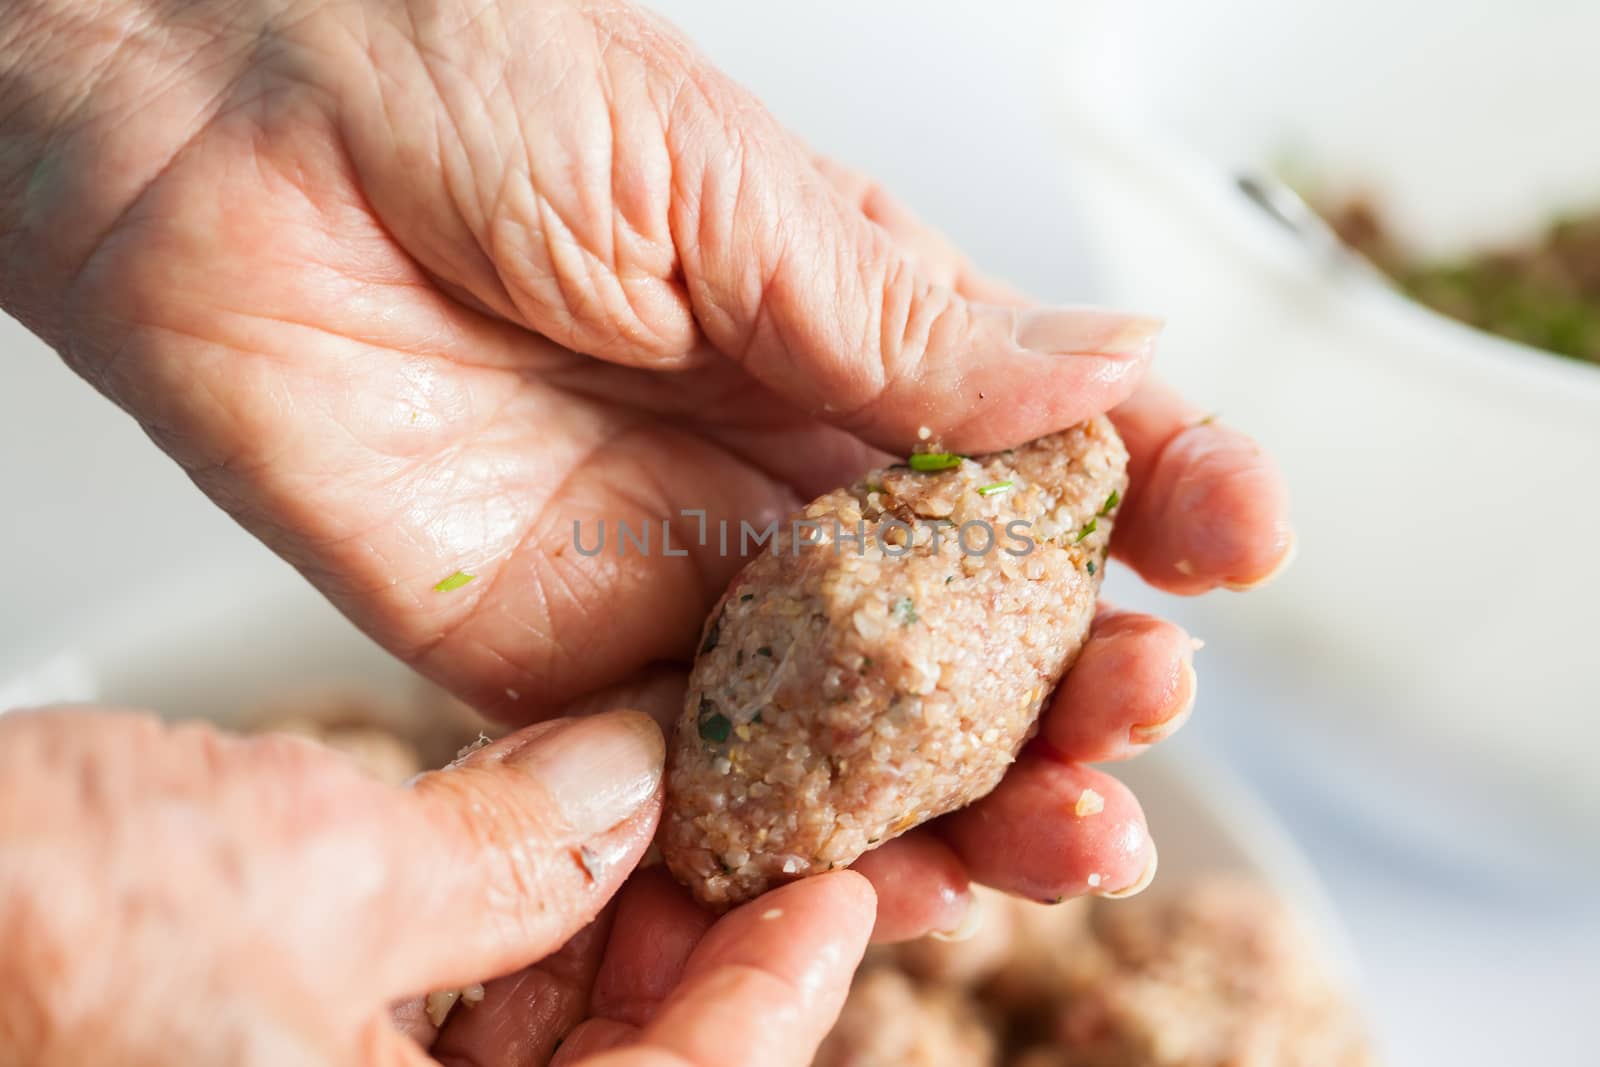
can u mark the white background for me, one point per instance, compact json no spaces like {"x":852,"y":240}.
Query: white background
{"x":952,"y":111}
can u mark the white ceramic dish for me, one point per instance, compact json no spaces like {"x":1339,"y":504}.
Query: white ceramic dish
{"x":216,"y":645}
{"x":1441,"y":611}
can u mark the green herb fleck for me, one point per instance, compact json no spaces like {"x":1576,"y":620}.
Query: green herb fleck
{"x":874,"y":487}
{"x":949,"y":578}
{"x":995,"y":488}
{"x":933,"y":461}
{"x":1088,"y":529}
{"x":454,"y":582}
{"x":904,"y":611}
{"x":746,"y":598}
{"x":764,"y":651}
{"x":1111,"y":501}
{"x":1091,"y":568}
{"x":714,"y":726}
{"x":1209,"y":419}
{"x":713,"y":635}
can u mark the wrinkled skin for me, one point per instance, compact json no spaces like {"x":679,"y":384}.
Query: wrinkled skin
{"x":124,"y":836}
{"x":410,"y":288}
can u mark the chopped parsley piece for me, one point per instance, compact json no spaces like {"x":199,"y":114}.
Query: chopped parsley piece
{"x":933,"y":461}
{"x":1209,"y":419}
{"x":904,"y":611}
{"x":714,"y":726}
{"x":949,"y":578}
{"x":1088,"y":529}
{"x":747,"y":598}
{"x":995,"y":488}
{"x":1111,"y":501}
{"x":1091,"y":567}
{"x":454,"y":582}
{"x":764,"y":651}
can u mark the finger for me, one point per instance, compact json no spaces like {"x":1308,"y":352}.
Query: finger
{"x":767,"y":981}
{"x":1235,"y":534}
{"x":530,"y":837}
{"x":1206,"y":505}
{"x":1132,"y":685}
{"x":706,"y":226}
{"x":1232,"y":530}
{"x":656,"y":929}
{"x":922,"y":889}
{"x":840,"y":319}
{"x":524,"y":1016}
{"x":1054,"y":830}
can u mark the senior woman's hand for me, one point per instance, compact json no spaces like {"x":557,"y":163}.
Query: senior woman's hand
{"x":412,"y":287}
{"x":169,"y":894}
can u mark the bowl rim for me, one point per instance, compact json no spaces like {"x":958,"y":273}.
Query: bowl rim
{"x":1200,"y":182}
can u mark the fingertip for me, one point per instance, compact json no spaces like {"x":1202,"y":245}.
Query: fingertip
{"x":1271,"y":571}
{"x":1175,"y":711}
{"x":1133,"y":684}
{"x":921,"y":888}
{"x":1053,"y":830}
{"x":1048,"y":369}
{"x":1210,"y":509}
{"x":991,"y":376}
{"x":844,"y":896}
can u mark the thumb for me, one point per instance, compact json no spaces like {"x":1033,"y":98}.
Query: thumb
{"x":821,"y":304}
{"x":652,"y":213}
{"x":530,"y":837}
{"x":790,"y":278}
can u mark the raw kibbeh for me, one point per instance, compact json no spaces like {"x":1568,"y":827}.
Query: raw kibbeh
{"x":884,"y":664}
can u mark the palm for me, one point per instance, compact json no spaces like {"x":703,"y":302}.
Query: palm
{"x":386,"y":434}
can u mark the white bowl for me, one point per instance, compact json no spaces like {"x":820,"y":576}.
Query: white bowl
{"x":1445,"y":481}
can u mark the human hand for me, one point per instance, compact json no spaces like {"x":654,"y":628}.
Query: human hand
{"x":411,"y":288}
{"x":169,"y":894}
